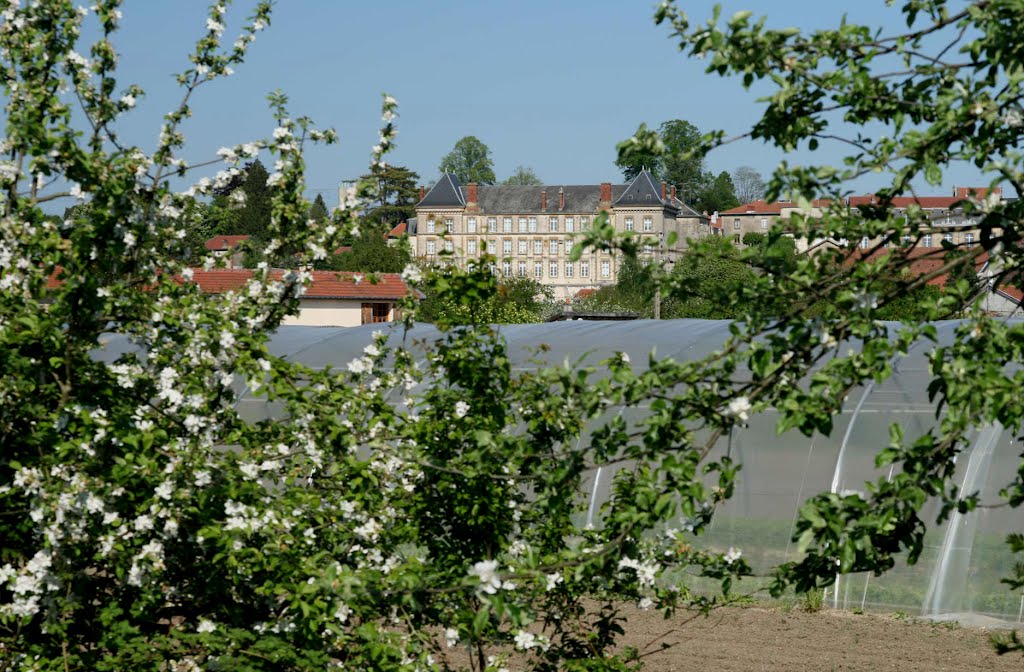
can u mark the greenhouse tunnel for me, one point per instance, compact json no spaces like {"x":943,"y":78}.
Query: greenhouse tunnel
{"x":958,"y":576}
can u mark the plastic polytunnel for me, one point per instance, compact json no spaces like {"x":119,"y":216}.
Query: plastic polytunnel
{"x":957,"y":576}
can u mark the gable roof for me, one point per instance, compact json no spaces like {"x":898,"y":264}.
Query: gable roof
{"x":445,"y":192}
{"x":325,"y":285}
{"x":398,"y":231}
{"x":224,"y":243}
{"x":641,"y":191}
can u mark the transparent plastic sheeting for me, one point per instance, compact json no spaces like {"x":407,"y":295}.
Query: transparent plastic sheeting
{"x":957,"y":576}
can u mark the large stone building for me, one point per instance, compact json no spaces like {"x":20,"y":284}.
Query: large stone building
{"x":529,"y":230}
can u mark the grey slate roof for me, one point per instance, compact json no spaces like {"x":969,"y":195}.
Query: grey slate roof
{"x":446,"y":192}
{"x":515,"y":199}
{"x":509,"y":199}
{"x":641,"y":191}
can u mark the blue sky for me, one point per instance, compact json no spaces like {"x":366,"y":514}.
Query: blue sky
{"x":552,"y":85}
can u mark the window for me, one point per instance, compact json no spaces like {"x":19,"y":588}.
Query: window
{"x":764,"y":223}
{"x":538,"y":247}
{"x":648,"y":248}
{"x":926,"y":241}
{"x":864,"y":242}
{"x":905,"y":241}
{"x":506,"y":246}
{"x":522,"y":224}
{"x":522,"y":269}
{"x":553,"y":224}
{"x":492,"y":247}
{"x":430,"y":226}
{"x":471,"y":225}
{"x":606,"y":269}
{"x":568,"y":269}
{"x":736,"y":239}
{"x":570,"y":224}
{"x":430,"y":247}
{"x":969,"y":239}
{"x":648,"y":224}
{"x":448,"y":246}
{"x":471,"y":246}
{"x":948,"y":237}
{"x":449,"y":225}
{"x":584,"y":269}
{"x":629,"y":223}
{"x":553,"y":269}
{"x":552,"y":247}
{"x":736,"y":224}
{"x":522,"y":246}
{"x":376,"y":312}
{"x":533,"y":225}
{"x":506,"y":268}
{"x":538,"y":269}
{"x":584,"y":223}
{"x":492,"y":224}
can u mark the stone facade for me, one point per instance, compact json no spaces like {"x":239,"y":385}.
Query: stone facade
{"x":529,"y":230}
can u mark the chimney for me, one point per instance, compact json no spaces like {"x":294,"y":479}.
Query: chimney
{"x":471,"y":197}
{"x":606,"y":195}
{"x":543,"y":199}
{"x":663,"y":185}
{"x":561,"y":199}
{"x":423,"y":192}
{"x":673,"y":192}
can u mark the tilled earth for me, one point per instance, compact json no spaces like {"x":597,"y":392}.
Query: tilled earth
{"x":756,"y":638}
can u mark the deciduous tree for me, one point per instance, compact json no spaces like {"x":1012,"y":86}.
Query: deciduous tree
{"x":470,"y":161}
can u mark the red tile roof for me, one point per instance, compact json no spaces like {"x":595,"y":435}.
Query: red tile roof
{"x":223,"y":243}
{"x":398,"y":231}
{"x":760,"y":207}
{"x":325,"y":285}
{"x":923,"y":260}
{"x":927,"y":202}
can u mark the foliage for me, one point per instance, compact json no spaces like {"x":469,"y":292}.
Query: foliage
{"x":708,"y":281}
{"x":318,"y":212}
{"x":682,"y":164}
{"x":749,"y":184}
{"x":370,"y":253}
{"x":523,"y":175}
{"x":397,"y":195}
{"x":514,"y":300}
{"x":646,"y":152}
{"x":925,"y":113}
{"x":718,"y":195}
{"x":675,"y":154}
{"x":470,"y":161}
{"x":425,"y":492}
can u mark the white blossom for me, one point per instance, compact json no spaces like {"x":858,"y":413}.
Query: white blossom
{"x":525,"y":640}
{"x":739,"y":408}
{"x":412,"y":274}
{"x":486,"y":571}
{"x":206,"y":625}
{"x":461,"y":408}
{"x":732,"y":555}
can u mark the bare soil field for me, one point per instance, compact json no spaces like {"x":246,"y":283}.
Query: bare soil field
{"x":757,"y":638}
